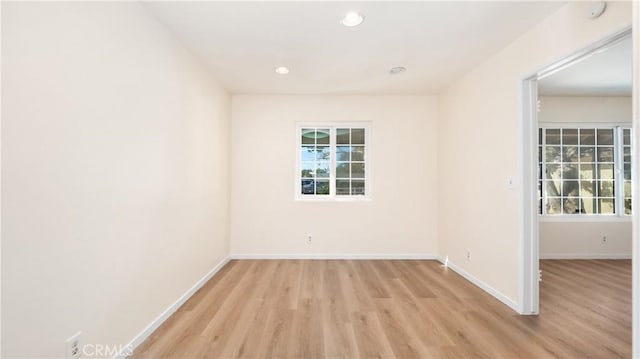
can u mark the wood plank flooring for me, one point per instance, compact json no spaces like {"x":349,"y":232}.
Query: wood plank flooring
{"x":395,"y":309}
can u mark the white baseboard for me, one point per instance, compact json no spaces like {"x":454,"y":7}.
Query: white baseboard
{"x":585,"y":256}
{"x":411,"y":256}
{"x":156,"y":323}
{"x":484,"y":286}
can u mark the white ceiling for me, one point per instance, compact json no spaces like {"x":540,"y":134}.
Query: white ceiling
{"x":608,"y":73}
{"x":243,"y":42}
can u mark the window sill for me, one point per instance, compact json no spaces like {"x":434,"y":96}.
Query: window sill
{"x":584,"y":218}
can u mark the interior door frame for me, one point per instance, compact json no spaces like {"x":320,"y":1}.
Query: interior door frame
{"x":530,"y":256}
{"x":635,"y":275}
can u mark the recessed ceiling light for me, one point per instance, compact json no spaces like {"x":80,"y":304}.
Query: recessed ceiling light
{"x":397,"y":70}
{"x":282,"y":70}
{"x":352,"y":19}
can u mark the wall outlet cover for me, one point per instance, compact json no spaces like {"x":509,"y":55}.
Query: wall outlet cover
{"x":73,"y":346}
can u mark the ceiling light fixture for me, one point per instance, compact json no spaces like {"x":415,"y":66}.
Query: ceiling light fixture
{"x":397,"y":70}
{"x":282,"y":70}
{"x":352,"y":19}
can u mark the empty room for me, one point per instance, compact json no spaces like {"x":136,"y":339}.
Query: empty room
{"x":585,"y":202}
{"x":237,"y":179}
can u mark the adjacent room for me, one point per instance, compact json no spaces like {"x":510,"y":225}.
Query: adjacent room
{"x":584,"y":189}
{"x":221,"y":179}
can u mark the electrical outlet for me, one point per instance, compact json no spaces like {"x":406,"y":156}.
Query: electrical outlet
{"x":73,"y":346}
{"x":309,"y":238}
{"x":604,"y":240}
{"x":468,"y":254}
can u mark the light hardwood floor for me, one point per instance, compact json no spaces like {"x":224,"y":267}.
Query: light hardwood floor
{"x":395,"y":309}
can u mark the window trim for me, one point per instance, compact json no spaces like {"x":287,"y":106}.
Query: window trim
{"x":619,"y":215}
{"x":332,"y":196}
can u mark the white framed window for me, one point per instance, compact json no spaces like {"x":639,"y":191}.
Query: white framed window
{"x":584,"y":169}
{"x":333,"y":161}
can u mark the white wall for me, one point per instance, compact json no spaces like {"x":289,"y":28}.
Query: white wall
{"x":115,"y":147}
{"x":400,"y":218}
{"x":583,"y":238}
{"x":591,"y":109}
{"x":479,"y":145}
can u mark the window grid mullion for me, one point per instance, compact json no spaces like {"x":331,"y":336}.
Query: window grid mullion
{"x":330,"y":159}
{"x":598,"y":177}
{"x":617,"y":173}
{"x":543,"y":190}
{"x":332,"y":175}
{"x":561,"y":172}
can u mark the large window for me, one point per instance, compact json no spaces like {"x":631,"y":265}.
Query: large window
{"x":332,"y":161}
{"x":585,"y":170}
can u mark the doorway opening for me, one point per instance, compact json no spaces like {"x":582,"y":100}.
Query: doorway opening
{"x":554,"y":185}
